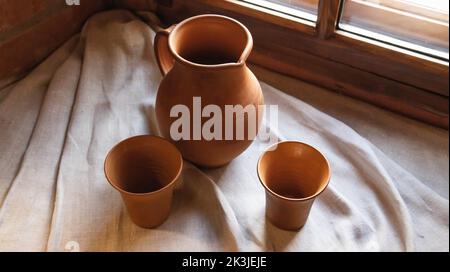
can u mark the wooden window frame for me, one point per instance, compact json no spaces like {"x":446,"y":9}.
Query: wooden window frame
{"x":401,"y":80}
{"x":407,"y":7}
{"x":389,"y":18}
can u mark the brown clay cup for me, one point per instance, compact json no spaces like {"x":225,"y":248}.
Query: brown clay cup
{"x":293,"y":175}
{"x":145,"y":169}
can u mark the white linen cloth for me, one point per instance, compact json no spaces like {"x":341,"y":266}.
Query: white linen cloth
{"x":57,"y":124}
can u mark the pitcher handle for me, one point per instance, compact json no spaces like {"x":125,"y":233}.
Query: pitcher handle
{"x":164,"y":56}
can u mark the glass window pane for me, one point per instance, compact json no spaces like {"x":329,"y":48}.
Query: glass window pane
{"x":419,"y":25}
{"x":305,"y":9}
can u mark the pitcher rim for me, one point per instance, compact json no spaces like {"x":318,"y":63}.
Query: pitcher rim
{"x":240,"y":62}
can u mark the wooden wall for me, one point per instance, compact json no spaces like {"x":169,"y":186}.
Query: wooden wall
{"x":31,"y":29}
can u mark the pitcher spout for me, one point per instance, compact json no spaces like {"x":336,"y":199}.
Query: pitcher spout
{"x":210,"y":41}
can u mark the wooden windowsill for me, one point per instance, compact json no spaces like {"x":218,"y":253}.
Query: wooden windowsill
{"x":262,"y":13}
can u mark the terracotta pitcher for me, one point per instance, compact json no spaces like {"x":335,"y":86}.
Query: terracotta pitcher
{"x":203,"y":59}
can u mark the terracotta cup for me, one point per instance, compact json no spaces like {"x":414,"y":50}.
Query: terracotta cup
{"x":145,"y":169}
{"x":293,"y":175}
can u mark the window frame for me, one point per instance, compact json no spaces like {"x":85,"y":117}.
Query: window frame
{"x":388,"y":17}
{"x":395,"y":78}
{"x":399,"y":5}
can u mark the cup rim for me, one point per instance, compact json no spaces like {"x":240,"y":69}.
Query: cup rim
{"x":245,"y":53}
{"x":290,"y":198}
{"x":147,"y":193}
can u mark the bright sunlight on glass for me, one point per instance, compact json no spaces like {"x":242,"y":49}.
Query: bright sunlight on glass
{"x":418,"y":25}
{"x":305,"y":9}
